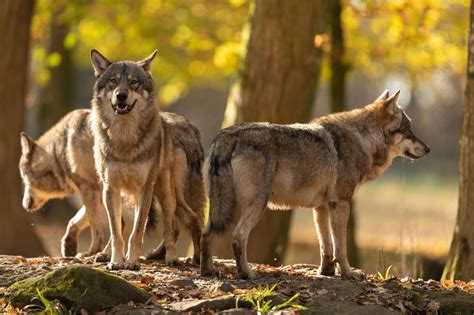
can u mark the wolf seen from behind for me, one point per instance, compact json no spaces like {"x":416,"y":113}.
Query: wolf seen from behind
{"x":317,"y":165}
{"x":133,"y":153}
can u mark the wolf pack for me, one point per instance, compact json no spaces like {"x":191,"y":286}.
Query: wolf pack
{"x":134,"y":165}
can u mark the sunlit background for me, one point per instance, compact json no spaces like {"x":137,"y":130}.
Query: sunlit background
{"x":404,"y":219}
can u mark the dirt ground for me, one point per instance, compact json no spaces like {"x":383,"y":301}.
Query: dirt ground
{"x":183,"y":289}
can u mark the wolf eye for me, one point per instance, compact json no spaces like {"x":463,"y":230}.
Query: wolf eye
{"x":113,"y":81}
{"x":133,"y":82}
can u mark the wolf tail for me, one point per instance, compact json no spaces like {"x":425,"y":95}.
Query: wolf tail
{"x":220,"y":187}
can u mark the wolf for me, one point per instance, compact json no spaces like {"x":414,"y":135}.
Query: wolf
{"x":318,"y":165}
{"x":61,"y":163}
{"x":133,"y":154}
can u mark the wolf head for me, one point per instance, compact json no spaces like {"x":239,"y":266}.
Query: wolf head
{"x":397,"y":128}
{"x":40,"y":174}
{"x":122,"y":85}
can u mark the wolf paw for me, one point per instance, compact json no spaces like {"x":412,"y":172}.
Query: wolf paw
{"x":247,"y":274}
{"x":196,"y":259}
{"x":102,"y":257}
{"x":172,"y":261}
{"x":206,"y":271}
{"x":83,"y":255}
{"x":327,"y":270}
{"x":353,"y":274}
{"x":156,"y":254}
{"x":69,"y":247}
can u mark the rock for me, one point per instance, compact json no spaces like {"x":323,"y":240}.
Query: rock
{"x":78,"y":286}
{"x":218,"y":304}
{"x":183,"y":283}
{"x":226,"y":287}
{"x":453,"y":302}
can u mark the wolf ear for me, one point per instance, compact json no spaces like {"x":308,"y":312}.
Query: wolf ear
{"x":27,"y":143}
{"x":99,"y":62}
{"x":146,"y":63}
{"x":382,"y":96}
{"x":390,"y":104}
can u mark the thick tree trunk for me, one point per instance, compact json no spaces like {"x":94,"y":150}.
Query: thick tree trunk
{"x":339,"y":69}
{"x":56,"y":96}
{"x":17,"y":234}
{"x":276,"y":83}
{"x":460,"y":264}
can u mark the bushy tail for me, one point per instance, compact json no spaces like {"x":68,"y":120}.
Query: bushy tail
{"x":220,"y":187}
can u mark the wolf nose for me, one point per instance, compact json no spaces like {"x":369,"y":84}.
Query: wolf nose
{"x":121,"y":96}
{"x":427,"y":149}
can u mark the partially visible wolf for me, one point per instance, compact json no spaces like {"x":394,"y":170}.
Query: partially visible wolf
{"x":61,"y":162}
{"x":318,"y":165}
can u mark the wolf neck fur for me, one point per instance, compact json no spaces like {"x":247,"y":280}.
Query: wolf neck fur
{"x":371,"y":138}
{"x":123,"y":133}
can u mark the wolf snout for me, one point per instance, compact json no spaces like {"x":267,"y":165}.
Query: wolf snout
{"x":121,"y":96}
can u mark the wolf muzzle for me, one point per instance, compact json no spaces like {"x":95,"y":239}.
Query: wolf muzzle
{"x":123,"y":108}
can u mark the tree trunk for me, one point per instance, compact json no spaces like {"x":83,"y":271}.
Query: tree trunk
{"x":56,"y":96}
{"x":276,"y":83}
{"x":17,"y":235}
{"x":460,"y":264}
{"x":337,"y":97}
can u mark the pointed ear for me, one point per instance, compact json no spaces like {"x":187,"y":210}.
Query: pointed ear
{"x":390,"y":104}
{"x":99,"y":62}
{"x":382,"y":97}
{"x":27,"y":143}
{"x":146,"y":63}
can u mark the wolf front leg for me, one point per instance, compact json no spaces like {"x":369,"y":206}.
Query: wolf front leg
{"x":321,"y":222}
{"x":339,"y":216}
{"x":167,"y":196}
{"x":113,"y":205}
{"x":70,"y":239}
{"x":142,"y":210}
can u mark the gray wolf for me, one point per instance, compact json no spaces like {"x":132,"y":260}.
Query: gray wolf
{"x":61,"y":163}
{"x":133,"y":154}
{"x":317,"y":165}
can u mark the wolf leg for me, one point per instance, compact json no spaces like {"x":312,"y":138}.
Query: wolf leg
{"x":192,"y":223}
{"x":250,"y":217}
{"x":113,"y":205}
{"x":97,"y":219}
{"x":70,"y":239}
{"x":207,"y":267}
{"x":321,"y":222}
{"x":136,"y":238}
{"x":167,"y":199}
{"x":159,"y":252}
{"x":339,"y":217}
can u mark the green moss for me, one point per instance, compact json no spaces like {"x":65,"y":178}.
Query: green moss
{"x":77,"y":286}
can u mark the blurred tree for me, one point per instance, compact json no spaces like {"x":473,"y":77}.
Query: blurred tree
{"x":56,"y":96}
{"x":198,"y":41}
{"x":460,"y":264}
{"x":15,"y":18}
{"x":276,"y":83}
{"x":337,"y":98}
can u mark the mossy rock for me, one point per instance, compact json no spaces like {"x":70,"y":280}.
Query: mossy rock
{"x":77,"y":286}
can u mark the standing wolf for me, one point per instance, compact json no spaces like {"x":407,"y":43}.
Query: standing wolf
{"x":133,"y":153}
{"x":61,"y":162}
{"x":318,"y":165}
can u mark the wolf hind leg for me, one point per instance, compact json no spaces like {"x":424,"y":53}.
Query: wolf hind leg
{"x":339,"y":216}
{"x":251,"y":215}
{"x":321,"y":223}
{"x":70,"y":239}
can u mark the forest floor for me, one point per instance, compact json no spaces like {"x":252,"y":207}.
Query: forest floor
{"x":182,"y":289}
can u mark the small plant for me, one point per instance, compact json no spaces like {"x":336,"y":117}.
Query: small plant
{"x":48,"y":307}
{"x":260,"y":299}
{"x":387,"y":275}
